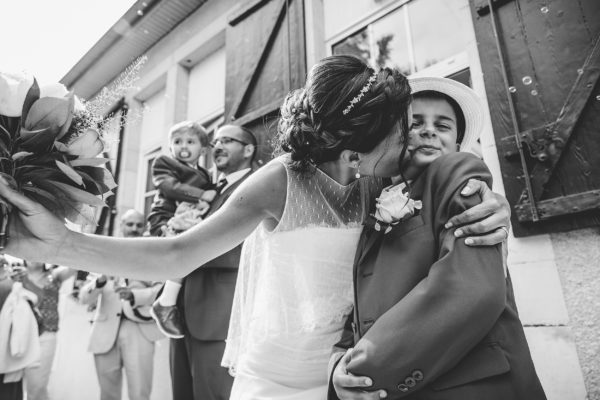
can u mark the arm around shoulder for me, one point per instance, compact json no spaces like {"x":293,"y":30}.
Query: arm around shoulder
{"x":448,"y":312}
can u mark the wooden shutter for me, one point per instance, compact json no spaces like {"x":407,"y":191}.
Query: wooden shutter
{"x":265,"y":60}
{"x":541,"y":64}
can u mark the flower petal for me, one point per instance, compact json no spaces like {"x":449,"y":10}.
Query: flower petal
{"x":61,"y":147}
{"x":89,"y":162}
{"x":49,"y":112}
{"x":37,"y":141}
{"x":20,"y":155}
{"x":77,"y":194}
{"x":87,"y":145}
{"x":13,"y":91}
{"x":53,"y":90}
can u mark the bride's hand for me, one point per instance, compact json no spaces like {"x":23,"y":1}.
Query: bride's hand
{"x":35,"y":233}
{"x":487,"y":223}
{"x":350,"y":387}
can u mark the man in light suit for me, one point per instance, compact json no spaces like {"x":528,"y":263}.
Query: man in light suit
{"x":123,"y":333}
{"x":207,"y":293}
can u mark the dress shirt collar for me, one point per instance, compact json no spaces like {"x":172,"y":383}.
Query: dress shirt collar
{"x":234,"y":177}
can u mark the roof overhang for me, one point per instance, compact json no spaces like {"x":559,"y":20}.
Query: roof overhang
{"x":142,"y":26}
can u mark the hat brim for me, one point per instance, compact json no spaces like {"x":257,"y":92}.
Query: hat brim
{"x":470,"y":104}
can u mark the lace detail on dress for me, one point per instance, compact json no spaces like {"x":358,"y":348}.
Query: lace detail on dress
{"x":295,"y":283}
{"x":316,"y":200}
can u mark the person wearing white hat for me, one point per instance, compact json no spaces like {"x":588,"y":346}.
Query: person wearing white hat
{"x":433,"y":317}
{"x":465,"y":103}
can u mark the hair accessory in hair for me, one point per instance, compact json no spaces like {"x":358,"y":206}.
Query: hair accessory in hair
{"x":360,"y":95}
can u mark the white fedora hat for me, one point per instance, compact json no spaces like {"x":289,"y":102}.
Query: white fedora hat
{"x":470,"y":104}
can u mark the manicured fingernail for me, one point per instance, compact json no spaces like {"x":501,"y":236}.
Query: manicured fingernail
{"x":458,"y":233}
{"x":466,"y":190}
{"x":448,"y":225}
{"x":382,"y":394}
{"x":368,"y":382}
{"x":469,"y":241}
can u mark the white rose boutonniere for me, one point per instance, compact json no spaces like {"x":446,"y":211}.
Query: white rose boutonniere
{"x":394,"y":205}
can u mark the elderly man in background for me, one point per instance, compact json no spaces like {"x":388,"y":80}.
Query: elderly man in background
{"x":123,"y":333}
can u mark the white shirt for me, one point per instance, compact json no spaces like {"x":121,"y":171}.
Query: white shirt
{"x":234,"y":177}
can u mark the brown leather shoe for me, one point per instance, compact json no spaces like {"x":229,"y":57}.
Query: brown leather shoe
{"x":167,"y":319}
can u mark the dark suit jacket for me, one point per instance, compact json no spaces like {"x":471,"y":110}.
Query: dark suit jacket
{"x":207,"y":294}
{"x":436,"y":319}
{"x":175,"y":181}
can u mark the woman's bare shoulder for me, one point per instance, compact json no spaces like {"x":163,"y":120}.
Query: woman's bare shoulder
{"x":266,"y":189}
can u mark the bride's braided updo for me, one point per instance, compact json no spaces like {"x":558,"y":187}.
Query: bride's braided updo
{"x":313,"y":126}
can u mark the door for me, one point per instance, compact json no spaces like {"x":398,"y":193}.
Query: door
{"x":541,"y":63}
{"x":265,"y":49}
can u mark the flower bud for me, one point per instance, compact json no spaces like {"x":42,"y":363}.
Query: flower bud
{"x":86,"y":145}
{"x":13,"y":90}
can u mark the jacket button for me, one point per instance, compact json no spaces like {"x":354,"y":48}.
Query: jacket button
{"x":410,"y":382}
{"x":118,"y":314}
{"x":417,"y":375}
{"x":402,"y":387}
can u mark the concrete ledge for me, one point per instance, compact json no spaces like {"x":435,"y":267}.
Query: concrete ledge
{"x":529,"y":249}
{"x":556,"y":362}
{"x":539,"y":294}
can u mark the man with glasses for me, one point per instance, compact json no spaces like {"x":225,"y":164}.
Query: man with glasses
{"x":207,"y":293}
{"x":123,"y":333}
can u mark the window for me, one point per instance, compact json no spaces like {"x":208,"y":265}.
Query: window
{"x":419,"y":37}
{"x":154,"y":130}
{"x":411,"y":36}
{"x":206,"y":94}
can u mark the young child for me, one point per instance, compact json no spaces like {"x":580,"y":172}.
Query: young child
{"x":437,"y":320}
{"x":184,"y":193}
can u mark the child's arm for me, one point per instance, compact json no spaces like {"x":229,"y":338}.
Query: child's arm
{"x":166,"y":180}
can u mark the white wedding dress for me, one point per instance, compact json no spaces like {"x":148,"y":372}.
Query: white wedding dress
{"x":294,"y":290}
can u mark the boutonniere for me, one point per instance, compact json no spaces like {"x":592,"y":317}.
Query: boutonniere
{"x":393,"y":206}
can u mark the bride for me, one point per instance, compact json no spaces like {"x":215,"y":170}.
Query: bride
{"x":302,"y":214}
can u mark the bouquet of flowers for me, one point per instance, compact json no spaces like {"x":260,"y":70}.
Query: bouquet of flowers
{"x":49,"y":147}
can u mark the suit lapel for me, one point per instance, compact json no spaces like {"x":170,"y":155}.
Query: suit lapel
{"x":224,"y":195}
{"x":367,"y":240}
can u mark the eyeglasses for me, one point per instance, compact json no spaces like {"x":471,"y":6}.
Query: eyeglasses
{"x":226,"y":140}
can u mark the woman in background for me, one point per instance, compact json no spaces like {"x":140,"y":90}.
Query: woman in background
{"x":45,"y":283}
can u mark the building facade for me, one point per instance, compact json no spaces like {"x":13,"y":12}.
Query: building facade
{"x":535,"y":64}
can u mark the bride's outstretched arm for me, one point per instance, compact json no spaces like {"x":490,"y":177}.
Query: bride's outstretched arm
{"x":37,"y":235}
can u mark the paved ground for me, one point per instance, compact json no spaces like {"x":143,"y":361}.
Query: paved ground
{"x":578,"y":261}
{"x":73,"y":375}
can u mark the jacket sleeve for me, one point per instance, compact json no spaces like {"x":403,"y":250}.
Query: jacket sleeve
{"x":339,"y":349}
{"x":89,"y":293}
{"x":145,"y":296}
{"x":166,"y":180}
{"x":449,"y":311}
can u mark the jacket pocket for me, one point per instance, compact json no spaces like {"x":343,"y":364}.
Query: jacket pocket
{"x":482,"y":362}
